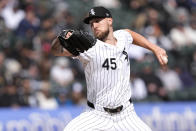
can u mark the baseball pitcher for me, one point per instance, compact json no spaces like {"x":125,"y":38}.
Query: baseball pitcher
{"x":107,"y":71}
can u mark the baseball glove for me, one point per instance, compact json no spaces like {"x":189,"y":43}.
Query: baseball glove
{"x":78,"y":42}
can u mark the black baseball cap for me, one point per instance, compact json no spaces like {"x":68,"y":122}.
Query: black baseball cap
{"x":97,"y":12}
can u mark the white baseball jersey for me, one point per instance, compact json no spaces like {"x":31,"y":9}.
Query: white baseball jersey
{"x":107,"y":71}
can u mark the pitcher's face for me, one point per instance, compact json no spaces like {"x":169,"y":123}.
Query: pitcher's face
{"x":100,"y":27}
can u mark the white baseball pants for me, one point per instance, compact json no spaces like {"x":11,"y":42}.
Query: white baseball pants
{"x":96,"y":120}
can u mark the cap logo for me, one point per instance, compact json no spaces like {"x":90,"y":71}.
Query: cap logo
{"x":92,"y":12}
{"x":107,"y":14}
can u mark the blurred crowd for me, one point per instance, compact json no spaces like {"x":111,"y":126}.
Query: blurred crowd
{"x":31,"y":76}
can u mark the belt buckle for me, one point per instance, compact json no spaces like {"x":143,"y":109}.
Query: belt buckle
{"x":116,"y":110}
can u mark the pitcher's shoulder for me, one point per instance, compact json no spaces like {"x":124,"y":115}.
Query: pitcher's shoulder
{"x":121,"y":31}
{"x":123,"y":35}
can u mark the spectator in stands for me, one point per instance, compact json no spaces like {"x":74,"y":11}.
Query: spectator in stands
{"x":135,"y":5}
{"x":27,"y":92}
{"x":154,"y":31}
{"x":76,"y":98}
{"x":61,"y":74}
{"x":139,"y":90}
{"x":191,"y":30}
{"x":44,"y":97}
{"x":11,"y":98}
{"x":12,"y":67}
{"x":180,"y":35}
{"x":29,"y":26}
{"x":108,"y":4}
{"x":63,"y":99}
{"x":64,"y":20}
{"x":152,"y":81}
{"x":185,"y":77}
{"x":77,"y":94}
{"x":33,"y":72}
{"x":170,"y":79}
{"x":12,"y":14}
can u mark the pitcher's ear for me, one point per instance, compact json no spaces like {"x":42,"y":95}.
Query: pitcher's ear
{"x":110,"y":20}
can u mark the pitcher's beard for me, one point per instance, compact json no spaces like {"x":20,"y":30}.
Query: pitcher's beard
{"x":102,"y":35}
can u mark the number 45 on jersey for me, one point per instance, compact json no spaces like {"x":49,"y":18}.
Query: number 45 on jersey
{"x":110,"y":63}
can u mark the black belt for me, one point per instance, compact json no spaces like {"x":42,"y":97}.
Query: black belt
{"x":115,"y":110}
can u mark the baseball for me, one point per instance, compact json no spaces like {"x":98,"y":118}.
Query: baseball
{"x":164,"y":58}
